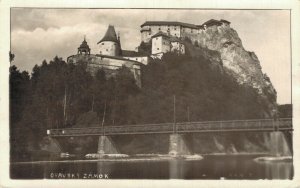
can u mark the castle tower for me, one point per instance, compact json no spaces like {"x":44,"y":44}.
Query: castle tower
{"x":84,"y":48}
{"x":110,"y":45}
{"x":160,"y":43}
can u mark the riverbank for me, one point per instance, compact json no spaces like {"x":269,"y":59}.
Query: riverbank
{"x":140,"y":157}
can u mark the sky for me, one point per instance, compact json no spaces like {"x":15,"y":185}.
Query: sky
{"x":38,"y":34}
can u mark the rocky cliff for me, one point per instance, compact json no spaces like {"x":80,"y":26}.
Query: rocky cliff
{"x":243,"y":65}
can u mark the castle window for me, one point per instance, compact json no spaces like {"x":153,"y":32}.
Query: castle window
{"x":107,"y":50}
{"x":159,"y":28}
{"x":157,"y":48}
{"x":103,"y":43}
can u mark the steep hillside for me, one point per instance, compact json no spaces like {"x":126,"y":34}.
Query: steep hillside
{"x":243,"y":65}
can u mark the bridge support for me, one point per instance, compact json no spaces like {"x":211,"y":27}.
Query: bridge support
{"x":106,"y":146}
{"x":278,"y":144}
{"x":177,"y":145}
{"x":51,"y":145}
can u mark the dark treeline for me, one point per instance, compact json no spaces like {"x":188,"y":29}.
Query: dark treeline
{"x":58,"y":93}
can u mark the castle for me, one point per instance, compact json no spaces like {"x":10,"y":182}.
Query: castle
{"x":160,"y":36}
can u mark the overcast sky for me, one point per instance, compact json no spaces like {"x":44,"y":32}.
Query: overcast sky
{"x":38,"y":34}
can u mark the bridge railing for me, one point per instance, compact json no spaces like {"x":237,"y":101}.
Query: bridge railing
{"x":236,"y":125}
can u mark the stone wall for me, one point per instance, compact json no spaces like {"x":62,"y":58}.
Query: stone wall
{"x":109,"y":48}
{"x":141,"y":59}
{"x":109,"y":64}
{"x":148,"y":31}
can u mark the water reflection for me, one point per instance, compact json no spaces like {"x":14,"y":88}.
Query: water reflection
{"x":177,"y":169}
{"x":278,"y":170}
{"x":105,"y":167}
{"x":211,"y":167}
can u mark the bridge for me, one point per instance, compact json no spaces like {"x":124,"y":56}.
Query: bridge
{"x":266,"y":125}
{"x":177,"y":143}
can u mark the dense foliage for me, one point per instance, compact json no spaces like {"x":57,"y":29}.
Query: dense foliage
{"x":57,"y":93}
{"x":285,"y":111}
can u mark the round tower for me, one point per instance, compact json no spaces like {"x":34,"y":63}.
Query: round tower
{"x":110,"y":44}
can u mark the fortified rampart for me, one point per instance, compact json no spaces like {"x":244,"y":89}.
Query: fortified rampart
{"x":108,"y":63}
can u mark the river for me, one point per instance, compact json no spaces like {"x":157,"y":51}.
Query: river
{"x":210,"y":167}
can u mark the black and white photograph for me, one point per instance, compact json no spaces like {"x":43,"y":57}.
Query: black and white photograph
{"x":150,"y":94}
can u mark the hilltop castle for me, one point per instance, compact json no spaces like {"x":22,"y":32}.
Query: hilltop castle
{"x":160,"y":36}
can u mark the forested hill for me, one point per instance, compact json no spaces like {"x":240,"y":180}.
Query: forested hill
{"x":57,"y":93}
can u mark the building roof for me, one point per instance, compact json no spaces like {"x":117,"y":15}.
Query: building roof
{"x":110,"y":35}
{"x":160,"y":33}
{"x":175,"y":39}
{"x":170,"y":23}
{"x":200,"y":26}
{"x":212,"y":22}
{"x":225,"y":21}
{"x":145,"y":29}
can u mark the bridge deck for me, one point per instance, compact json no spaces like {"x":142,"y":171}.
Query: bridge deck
{"x":284,"y":124}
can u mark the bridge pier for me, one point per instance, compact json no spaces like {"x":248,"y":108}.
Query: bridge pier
{"x":106,"y":146}
{"x":278,"y":144}
{"x":177,"y":145}
{"x":50,"y":144}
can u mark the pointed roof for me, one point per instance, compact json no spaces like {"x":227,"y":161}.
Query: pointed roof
{"x":110,"y":35}
{"x":84,"y":44}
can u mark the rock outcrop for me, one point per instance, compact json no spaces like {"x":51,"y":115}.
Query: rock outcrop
{"x":243,"y":65}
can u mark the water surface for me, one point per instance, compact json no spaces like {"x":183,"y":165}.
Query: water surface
{"x":210,"y":167}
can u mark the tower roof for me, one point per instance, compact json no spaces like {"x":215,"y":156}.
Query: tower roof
{"x":84,"y":44}
{"x":160,"y":33}
{"x":110,"y":35}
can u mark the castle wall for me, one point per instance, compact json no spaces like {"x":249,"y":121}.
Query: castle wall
{"x":146,"y":36}
{"x":200,"y":35}
{"x":141,"y":59}
{"x":110,"y":64}
{"x":173,"y":30}
{"x":108,"y":48}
